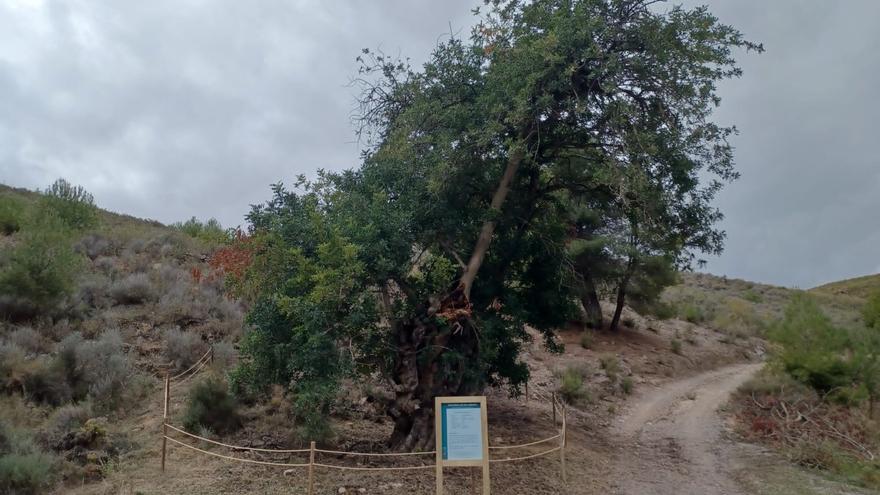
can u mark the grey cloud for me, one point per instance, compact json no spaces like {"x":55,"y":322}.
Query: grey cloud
{"x":167,"y":109}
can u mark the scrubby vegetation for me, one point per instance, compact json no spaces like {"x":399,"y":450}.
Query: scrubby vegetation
{"x":818,"y":401}
{"x":93,"y":308}
{"x":211,"y":407}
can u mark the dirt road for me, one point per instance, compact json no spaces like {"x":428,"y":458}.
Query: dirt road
{"x":671,"y":438}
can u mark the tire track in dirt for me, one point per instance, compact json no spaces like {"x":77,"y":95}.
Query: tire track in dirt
{"x":671,"y":438}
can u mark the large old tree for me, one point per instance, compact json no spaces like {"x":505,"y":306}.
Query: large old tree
{"x":423,"y":267}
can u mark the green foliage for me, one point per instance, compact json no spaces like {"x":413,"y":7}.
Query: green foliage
{"x":571,"y":385}
{"x":814,"y":351}
{"x":752,"y":296}
{"x":39,"y":271}
{"x":210,"y":231}
{"x":587,"y":339}
{"x":676,"y":346}
{"x":24,"y":469}
{"x":738,"y":318}
{"x":871,"y":311}
{"x":692,"y":313}
{"x":480,"y":157}
{"x":611,"y":364}
{"x":12,"y":211}
{"x":627,"y":385}
{"x":73,"y":205}
{"x":211,"y":406}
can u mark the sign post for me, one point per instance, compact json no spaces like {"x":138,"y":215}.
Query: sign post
{"x":462,"y":435}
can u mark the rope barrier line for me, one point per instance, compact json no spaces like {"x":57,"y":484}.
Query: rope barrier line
{"x":351,"y":468}
{"x":536,"y":442}
{"x":237,"y":447}
{"x":194,"y":373}
{"x":511,"y":459}
{"x":198,"y":361}
{"x":375,"y":454}
{"x":237,"y":459}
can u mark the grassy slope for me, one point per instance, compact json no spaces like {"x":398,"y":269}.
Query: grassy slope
{"x":859,"y":287}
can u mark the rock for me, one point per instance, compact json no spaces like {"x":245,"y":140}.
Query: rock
{"x":396,"y":484}
{"x":289,"y":472}
{"x":341,"y":490}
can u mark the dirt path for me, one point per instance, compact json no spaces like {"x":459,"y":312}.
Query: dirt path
{"x":670,"y":439}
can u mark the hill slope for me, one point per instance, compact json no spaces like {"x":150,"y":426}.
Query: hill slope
{"x":860,"y":287}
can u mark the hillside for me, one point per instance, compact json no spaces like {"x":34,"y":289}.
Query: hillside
{"x":859,"y":287}
{"x":82,"y":382}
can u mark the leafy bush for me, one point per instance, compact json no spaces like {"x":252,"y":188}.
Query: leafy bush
{"x":871,"y":311}
{"x":211,"y":406}
{"x":24,"y":469}
{"x":183,"y":349}
{"x":95,"y":368}
{"x":65,"y":419}
{"x":133,"y":289}
{"x":225,"y":356}
{"x":813,"y":350}
{"x":587,"y":339}
{"x":94,"y":291}
{"x":752,"y":296}
{"x":12,"y":211}
{"x":611,"y":365}
{"x":676,"y":346}
{"x":94,"y":246}
{"x":738,"y":318}
{"x":692,"y":313}
{"x":571,"y":385}
{"x":72,"y":204}
{"x":211,"y":231}
{"x":105,"y":368}
{"x":38,"y":272}
{"x":626,"y":385}
{"x":27,"y":339}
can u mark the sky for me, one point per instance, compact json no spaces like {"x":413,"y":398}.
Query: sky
{"x":176,"y":108}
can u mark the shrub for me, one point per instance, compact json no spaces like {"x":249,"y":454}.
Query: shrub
{"x":676,"y":346}
{"x":25,"y":473}
{"x":813,"y":350}
{"x":105,"y":368}
{"x":95,"y":368}
{"x":183,"y":349}
{"x":571,"y":385}
{"x":871,"y":311}
{"x":72,"y":204}
{"x":692,"y":313}
{"x":611,"y":365}
{"x":94,"y":246}
{"x":752,"y":296}
{"x":211,"y":231}
{"x":629,"y":322}
{"x":626,"y":385}
{"x":587,"y":339}
{"x":211,"y":406}
{"x":94,"y":291}
{"x":225,"y":356}
{"x":738,"y":318}
{"x":38,"y":272}
{"x":24,"y":469}
{"x":27,"y":339}
{"x":65,"y":419}
{"x":12,"y":212}
{"x":133,"y":289}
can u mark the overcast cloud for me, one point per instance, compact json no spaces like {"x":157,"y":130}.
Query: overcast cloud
{"x":168,"y":109}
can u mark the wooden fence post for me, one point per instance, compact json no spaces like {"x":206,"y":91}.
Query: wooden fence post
{"x":212,"y":353}
{"x":311,"y":468}
{"x":165,"y":418}
{"x":562,"y":446}
{"x":553,"y":397}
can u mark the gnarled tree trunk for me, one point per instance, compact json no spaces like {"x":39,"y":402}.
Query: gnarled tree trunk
{"x":590,"y":300}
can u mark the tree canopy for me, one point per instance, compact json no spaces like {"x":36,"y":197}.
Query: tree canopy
{"x":424,"y":266}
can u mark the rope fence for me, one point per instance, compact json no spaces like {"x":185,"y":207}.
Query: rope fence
{"x":557,"y":407}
